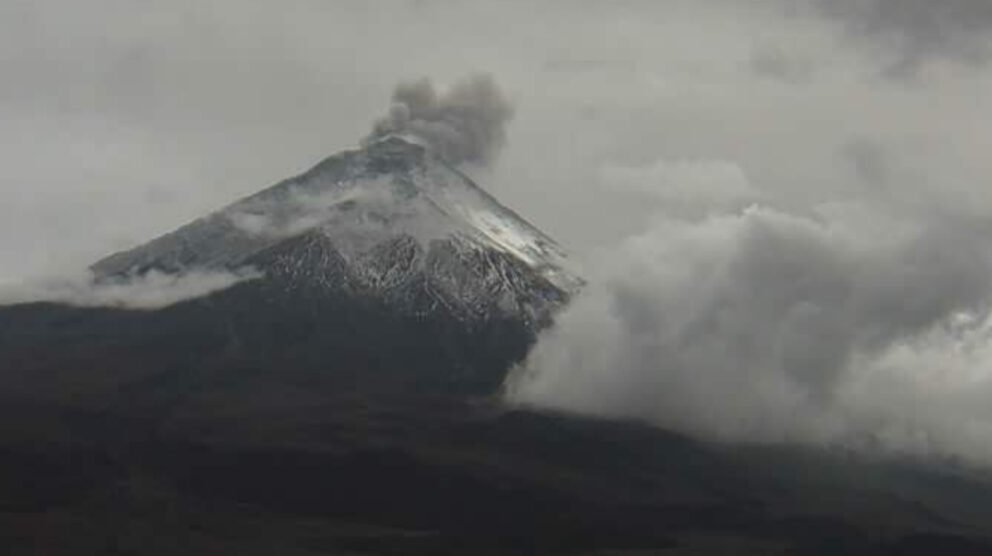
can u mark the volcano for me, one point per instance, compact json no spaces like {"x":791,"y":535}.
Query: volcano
{"x":342,"y":397}
{"x":382,"y":268}
{"x":390,"y":221}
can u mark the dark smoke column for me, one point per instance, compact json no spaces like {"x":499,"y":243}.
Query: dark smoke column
{"x":463,"y":124}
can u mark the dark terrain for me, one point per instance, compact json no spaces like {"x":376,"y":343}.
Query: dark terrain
{"x":208,"y":429}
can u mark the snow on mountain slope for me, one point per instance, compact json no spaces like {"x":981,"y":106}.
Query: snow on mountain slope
{"x":393,"y":217}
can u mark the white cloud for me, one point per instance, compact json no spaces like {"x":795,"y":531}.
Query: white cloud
{"x":766,"y":326}
{"x":152,"y":290}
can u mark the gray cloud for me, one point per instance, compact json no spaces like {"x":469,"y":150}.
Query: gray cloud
{"x":686,"y":188}
{"x":466,"y":123}
{"x":920,"y":30}
{"x":868,"y":159}
{"x":775,"y":63}
{"x":766,"y":326}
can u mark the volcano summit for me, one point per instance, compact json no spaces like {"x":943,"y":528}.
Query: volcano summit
{"x":391,"y":221}
{"x":383,"y":267}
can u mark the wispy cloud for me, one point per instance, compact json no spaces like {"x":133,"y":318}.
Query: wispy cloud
{"x":149,"y":291}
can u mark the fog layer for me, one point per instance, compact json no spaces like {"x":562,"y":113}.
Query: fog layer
{"x":149,"y":291}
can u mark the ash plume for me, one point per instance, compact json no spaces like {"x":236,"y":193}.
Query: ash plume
{"x":463,"y":124}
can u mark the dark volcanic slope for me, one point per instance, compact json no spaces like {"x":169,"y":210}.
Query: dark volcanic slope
{"x":263,"y":467}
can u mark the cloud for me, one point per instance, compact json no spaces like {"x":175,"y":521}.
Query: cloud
{"x":149,"y":291}
{"x":868,"y":159}
{"x":767,"y":326}
{"x":302,"y":210}
{"x":466,"y":123}
{"x":776,"y":63}
{"x":684,"y":187}
{"x":358,"y":212}
{"x":919,"y":30}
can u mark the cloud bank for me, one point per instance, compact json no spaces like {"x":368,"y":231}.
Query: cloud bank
{"x":849,"y":326}
{"x":149,"y":291}
{"x":466,"y":123}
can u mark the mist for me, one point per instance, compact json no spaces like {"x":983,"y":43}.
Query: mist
{"x":781,"y":207}
{"x":149,"y":291}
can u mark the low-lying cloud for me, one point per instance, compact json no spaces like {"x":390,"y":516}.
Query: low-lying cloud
{"x":148,"y":291}
{"x":466,"y":123}
{"x":851,"y":325}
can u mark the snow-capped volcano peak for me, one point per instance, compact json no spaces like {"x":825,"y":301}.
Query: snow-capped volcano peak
{"x":396,"y":220}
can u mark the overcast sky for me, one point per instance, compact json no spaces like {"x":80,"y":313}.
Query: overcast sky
{"x":122,"y":120}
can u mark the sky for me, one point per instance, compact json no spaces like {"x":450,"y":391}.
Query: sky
{"x":781,"y":204}
{"x":124,"y":120}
